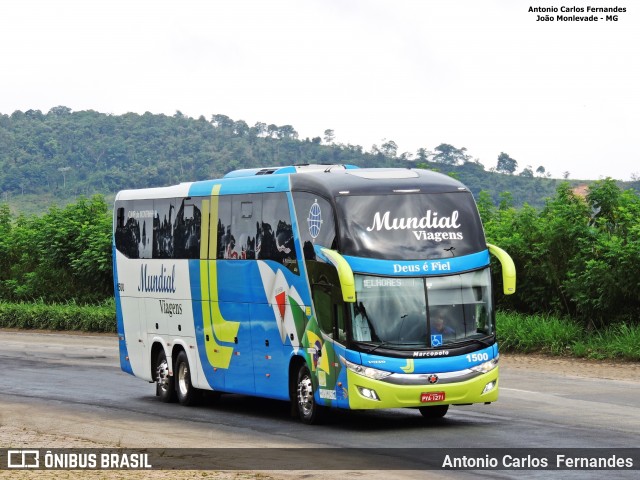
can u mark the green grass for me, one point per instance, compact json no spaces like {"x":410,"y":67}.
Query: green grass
{"x":69,"y":316}
{"x":560,"y":336}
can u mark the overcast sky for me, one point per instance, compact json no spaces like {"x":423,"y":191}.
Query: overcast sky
{"x":480,"y":74}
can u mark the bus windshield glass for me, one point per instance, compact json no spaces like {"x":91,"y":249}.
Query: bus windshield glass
{"x":426,"y":226}
{"x":427,"y":312}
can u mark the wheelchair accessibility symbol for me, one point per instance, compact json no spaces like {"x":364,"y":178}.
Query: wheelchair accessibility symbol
{"x":436,"y":340}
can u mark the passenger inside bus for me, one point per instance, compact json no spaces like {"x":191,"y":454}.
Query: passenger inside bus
{"x":439,"y":327}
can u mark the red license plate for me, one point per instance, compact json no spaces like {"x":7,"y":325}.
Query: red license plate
{"x":432,"y":397}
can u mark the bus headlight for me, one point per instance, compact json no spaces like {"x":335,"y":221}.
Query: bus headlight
{"x":368,"y":393}
{"x":486,"y":367}
{"x":489,"y":386}
{"x":368,"y":372}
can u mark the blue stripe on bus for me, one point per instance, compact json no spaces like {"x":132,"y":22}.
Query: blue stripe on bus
{"x":196,"y":301}
{"x":234,"y":186}
{"x":418,"y":268}
{"x":125,"y":365}
{"x":424,"y":363}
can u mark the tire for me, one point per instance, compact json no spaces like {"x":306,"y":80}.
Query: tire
{"x":165,"y":388}
{"x":435,"y":411}
{"x":186,"y":392}
{"x":309,"y":411}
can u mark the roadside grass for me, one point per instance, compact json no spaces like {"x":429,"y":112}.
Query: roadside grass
{"x":68,"y":316}
{"x":546,"y":334}
{"x":517,"y":332}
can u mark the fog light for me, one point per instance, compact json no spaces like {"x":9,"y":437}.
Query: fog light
{"x":368,"y":393}
{"x":489,"y":386}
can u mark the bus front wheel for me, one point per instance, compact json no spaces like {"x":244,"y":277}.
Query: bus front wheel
{"x":187,"y":394}
{"x":435,"y":411}
{"x":308,"y":410}
{"x":165,"y":388}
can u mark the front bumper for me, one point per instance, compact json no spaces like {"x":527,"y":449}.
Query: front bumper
{"x":392,"y":395}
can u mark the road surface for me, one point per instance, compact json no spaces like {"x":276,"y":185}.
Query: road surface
{"x":71,"y":387}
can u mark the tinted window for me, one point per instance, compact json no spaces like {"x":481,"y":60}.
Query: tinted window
{"x":315,"y":222}
{"x":128,"y":232}
{"x":410,"y":227}
{"x":246,"y":214}
{"x":186,"y":231}
{"x":164,"y":228}
{"x":134,"y":228}
{"x":274,"y":238}
{"x":163,"y":223}
{"x":226,"y":240}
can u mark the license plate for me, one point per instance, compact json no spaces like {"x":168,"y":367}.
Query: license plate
{"x":432,"y":397}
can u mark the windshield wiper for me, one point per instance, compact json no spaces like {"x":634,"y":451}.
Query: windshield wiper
{"x":374,"y":346}
{"x":483,"y":342}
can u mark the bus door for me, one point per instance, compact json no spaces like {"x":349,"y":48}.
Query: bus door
{"x":331,"y":336}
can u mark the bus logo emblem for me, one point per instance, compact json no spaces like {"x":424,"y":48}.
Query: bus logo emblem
{"x":433,"y":379}
{"x":314,"y":220}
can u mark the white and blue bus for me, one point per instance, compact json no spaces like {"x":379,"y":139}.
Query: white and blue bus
{"x":326,"y":286}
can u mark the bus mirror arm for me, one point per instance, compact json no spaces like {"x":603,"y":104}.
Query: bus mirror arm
{"x":508,"y":269}
{"x":345,"y":274}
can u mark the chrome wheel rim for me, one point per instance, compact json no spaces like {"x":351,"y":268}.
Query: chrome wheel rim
{"x":305,"y":396}
{"x":163,"y":375}
{"x":183,"y":378}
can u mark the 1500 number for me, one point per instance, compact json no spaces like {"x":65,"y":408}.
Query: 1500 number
{"x":478,"y":357}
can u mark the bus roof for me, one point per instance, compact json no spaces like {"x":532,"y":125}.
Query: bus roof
{"x":326,"y":180}
{"x":376,"y":181}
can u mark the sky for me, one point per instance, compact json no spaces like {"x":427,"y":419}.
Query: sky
{"x":480,"y":74}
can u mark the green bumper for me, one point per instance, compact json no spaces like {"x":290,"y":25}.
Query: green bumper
{"x":399,"y":396}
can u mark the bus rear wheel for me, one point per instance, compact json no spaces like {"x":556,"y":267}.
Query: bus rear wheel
{"x":434,"y":411}
{"x":165,"y":388}
{"x":308,"y":410}
{"x":187,"y":394}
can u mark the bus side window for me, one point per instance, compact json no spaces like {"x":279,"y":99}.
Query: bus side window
{"x":226,"y":241}
{"x":246,"y":215}
{"x":324,"y":308}
{"x":274,"y":236}
{"x":316,"y":223}
{"x":330,"y":311}
{"x":164,"y":220}
{"x":120,"y":218}
{"x":128,"y":232}
{"x":186,"y":233}
{"x":341,"y":328}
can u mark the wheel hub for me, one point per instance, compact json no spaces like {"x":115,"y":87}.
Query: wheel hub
{"x":305,"y":395}
{"x":183,"y":374}
{"x":163,"y":375}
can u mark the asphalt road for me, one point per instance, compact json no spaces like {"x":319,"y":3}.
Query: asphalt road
{"x":72,"y":385}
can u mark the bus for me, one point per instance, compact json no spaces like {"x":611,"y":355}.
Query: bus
{"x":322,"y":285}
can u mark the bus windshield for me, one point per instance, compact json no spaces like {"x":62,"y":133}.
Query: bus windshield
{"x":426,"y":312}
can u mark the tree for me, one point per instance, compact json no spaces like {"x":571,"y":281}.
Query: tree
{"x":64,"y":171}
{"x":329,"y":136}
{"x":222,"y":122}
{"x":389,"y":148}
{"x":527,"y":172}
{"x":450,"y":155}
{"x":288,"y":132}
{"x":422,"y":155}
{"x":506,"y":164}
{"x":59,"y":111}
{"x":541,"y":171}
{"x":240,"y":128}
